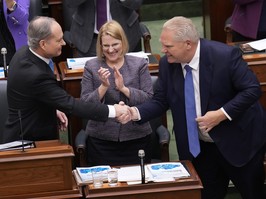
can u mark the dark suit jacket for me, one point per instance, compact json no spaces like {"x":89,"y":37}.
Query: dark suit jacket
{"x":225,"y":81}
{"x":82,"y":28}
{"x":33,"y":89}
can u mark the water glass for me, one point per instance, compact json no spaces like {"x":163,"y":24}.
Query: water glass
{"x":97,"y":178}
{"x":112,"y":177}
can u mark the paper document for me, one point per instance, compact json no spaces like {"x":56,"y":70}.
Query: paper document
{"x":2,"y":74}
{"x":140,"y":54}
{"x":132,"y":174}
{"x":85,"y":173}
{"x":167,"y":170}
{"x":258,"y":45}
{"x":17,"y":145}
{"x":157,"y":172}
{"x":79,"y":63}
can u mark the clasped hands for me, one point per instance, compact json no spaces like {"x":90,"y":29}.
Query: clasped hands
{"x":206,"y":123}
{"x":124,"y":113}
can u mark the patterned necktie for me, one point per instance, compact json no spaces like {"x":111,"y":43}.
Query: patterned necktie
{"x":192,"y":128}
{"x":101,"y":13}
{"x":51,"y":64}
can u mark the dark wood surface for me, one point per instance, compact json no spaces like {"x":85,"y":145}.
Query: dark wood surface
{"x":41,"y":172}
{"x":179,"y":189}
{"x":215,"y":13}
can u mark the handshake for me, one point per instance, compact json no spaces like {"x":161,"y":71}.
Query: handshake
{"x":125,"y":113}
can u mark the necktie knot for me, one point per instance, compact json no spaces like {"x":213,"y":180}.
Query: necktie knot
{"x":188,"y":68}
{"x":51,"y":64}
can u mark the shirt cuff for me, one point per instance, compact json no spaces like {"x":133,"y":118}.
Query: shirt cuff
{"x":112,"y":113}
{"x":138,"y":114}
{"x":228,"y":117}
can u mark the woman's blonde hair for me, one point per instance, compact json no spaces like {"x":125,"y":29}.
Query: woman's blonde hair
{"x":115,"y":30}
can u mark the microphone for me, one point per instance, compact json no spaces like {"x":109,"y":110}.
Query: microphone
{"x":4,"y":52}
{"x":21,"y":131}
{"x":142,"y":169}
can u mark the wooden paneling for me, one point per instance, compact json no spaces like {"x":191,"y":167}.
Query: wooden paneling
{"x":215,"y":13}
{"x":44,"y":171}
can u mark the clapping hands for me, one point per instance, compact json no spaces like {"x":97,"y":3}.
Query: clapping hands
{"x":124,"y":113}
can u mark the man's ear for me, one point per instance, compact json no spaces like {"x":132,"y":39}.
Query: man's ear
{"x":188,"y":43}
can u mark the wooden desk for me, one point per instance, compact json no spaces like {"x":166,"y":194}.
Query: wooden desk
{"x":215,"y":13}
{"x":180,"y":189}
{"x":257,"y":63}
{"x":41,"y":172}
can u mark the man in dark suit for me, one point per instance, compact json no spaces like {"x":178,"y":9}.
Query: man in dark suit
{"x":33,"y":93}
{"x":84,"y":30}
{"x":230,"y":122}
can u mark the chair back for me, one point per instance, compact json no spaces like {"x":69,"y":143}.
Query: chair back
{"x":35,"y":9}
{"x":3,"y":107}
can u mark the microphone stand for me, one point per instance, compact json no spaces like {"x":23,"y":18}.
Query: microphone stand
{"x":21,"y":130}
{"x":142,"y":169}
{"x":4,"y":52}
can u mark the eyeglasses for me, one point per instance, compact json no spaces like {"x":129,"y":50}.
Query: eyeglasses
{"x":114,"y":46}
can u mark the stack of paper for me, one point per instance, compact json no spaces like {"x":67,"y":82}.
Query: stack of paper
{"x":258,"y":45}
{"x":167,"y":171}
{"x":2,"y":74}
{"x":17,"y":145}
{"x":158,"y":172}
{"x":132,"y":174}
{"x":79,"y":63}
{"x":85,"y":173}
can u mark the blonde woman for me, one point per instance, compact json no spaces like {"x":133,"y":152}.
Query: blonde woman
{"x":112,"y":77}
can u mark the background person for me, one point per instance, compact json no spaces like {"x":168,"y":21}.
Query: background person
{"x":248,"y":20}
{"x":13,"y":30}
{"x":33,"y":92}
{"x":230,"y":121}
{"x":84,"y":30}
{"x":112,"y":77}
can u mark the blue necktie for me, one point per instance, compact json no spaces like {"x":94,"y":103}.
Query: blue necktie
{"x":101,"y":13}
{"x":192,"y":128}
{"x":51,"y":64}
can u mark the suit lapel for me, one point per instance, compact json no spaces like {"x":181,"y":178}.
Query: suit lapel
{"x":178,"y":79}
{"x":205,"y":77}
